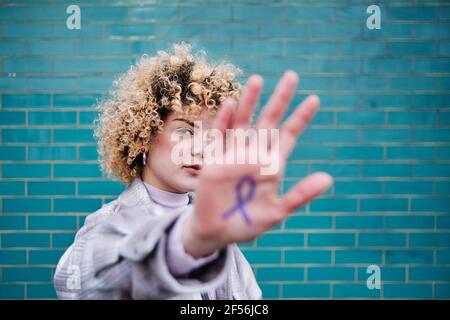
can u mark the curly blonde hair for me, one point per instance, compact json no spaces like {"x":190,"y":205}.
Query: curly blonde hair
{"x":141,"y":99}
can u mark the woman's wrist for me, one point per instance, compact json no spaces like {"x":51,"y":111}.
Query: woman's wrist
{"x":195,"y":245}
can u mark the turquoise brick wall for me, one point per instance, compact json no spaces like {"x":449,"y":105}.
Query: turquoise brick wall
{"x":383,"y":132}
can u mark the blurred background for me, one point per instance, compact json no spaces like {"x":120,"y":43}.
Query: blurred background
{"x":383,"y":132}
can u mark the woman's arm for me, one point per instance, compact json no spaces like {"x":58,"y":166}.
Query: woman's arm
{"x":121,"y":252}
{"x":178,"y":260}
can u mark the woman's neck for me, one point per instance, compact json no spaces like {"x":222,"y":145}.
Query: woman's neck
{"x":166,"y":198}
{"x":150,"y":178}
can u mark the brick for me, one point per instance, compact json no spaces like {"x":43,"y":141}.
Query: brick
{"x":354,"y":291}
{"x":77,"y":205}
{"x":12,"y":291}
{"x":410,"y":187}
{"x":52,"y":153}
{"x":25,"y":205}
{"x":306,"y":290}
{"x":330,"y":273}
{"x":279,"y":274}
{"x":12,"y":188}
{"x":77,"y":171}
{"x":331,"y":239}
{"x":12,"y":118}
{"x":262,"y":256}
{"x":12,"y":153}
{"x":12,"y":222}
{"x":283,"y":239}
{"x":422,"y":291}
{"x":25,"y":100}
{"x":41,"y":291}
{"x":52,"y":223}
{"x":359,"y":222}
{"x":359,"y":153}
{"x":410,"y":222}
{"x":307,"y":256}
{"x":405,"y":152}
{"x":429,"y":273}
{"x":10,"y":240}
{"x":26,"y":135}
{"x":10,"y":257}
{"x":429,"y":239}
{"x":308,"y":222}
{"x":382,"y":239}
{"x":358,"y":256}
{"x":26,"y":274}
{"x":409,"y":256}
{"x":52,"y":118}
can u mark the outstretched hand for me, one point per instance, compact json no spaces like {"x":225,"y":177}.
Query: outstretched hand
{"x":236,"y":202}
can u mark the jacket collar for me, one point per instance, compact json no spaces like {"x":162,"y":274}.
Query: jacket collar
{"x":136,"y":194}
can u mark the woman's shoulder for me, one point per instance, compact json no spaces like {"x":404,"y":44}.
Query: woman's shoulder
{"x":103,"y":211}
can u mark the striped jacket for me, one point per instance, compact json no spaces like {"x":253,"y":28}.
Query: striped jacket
{"x":120,"y":253}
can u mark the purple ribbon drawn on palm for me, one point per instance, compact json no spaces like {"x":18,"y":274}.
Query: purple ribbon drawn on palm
{"x":240,"y":206}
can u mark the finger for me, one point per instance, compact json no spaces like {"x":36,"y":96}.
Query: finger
{"x":248,"y":102}
{"x":279,"y":101}
{"x":223,"y":118}
{"x":306,"y":190}
{"x":294,"y":125}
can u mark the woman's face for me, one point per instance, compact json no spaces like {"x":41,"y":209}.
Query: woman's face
{"x":161,"y":171}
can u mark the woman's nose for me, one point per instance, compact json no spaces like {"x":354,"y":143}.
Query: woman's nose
{"x":197,"y":146}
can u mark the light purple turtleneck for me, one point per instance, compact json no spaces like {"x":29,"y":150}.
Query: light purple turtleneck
{"x":167,"y":199}
{"x":178,"y":260}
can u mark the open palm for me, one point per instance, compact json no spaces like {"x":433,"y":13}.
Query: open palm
{"x":228,"y":207}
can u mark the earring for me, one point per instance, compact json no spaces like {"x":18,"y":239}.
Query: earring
{"x":144,"y":158}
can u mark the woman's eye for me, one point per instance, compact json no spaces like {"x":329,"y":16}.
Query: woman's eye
{"x":183,"y":131}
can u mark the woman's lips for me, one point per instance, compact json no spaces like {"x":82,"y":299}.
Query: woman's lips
{"x":194,"y":169}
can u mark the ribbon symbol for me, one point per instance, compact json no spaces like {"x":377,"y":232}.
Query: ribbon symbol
{"x":240,"y":206}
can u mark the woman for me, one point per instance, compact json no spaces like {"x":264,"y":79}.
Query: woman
{"x":159,"y":240}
